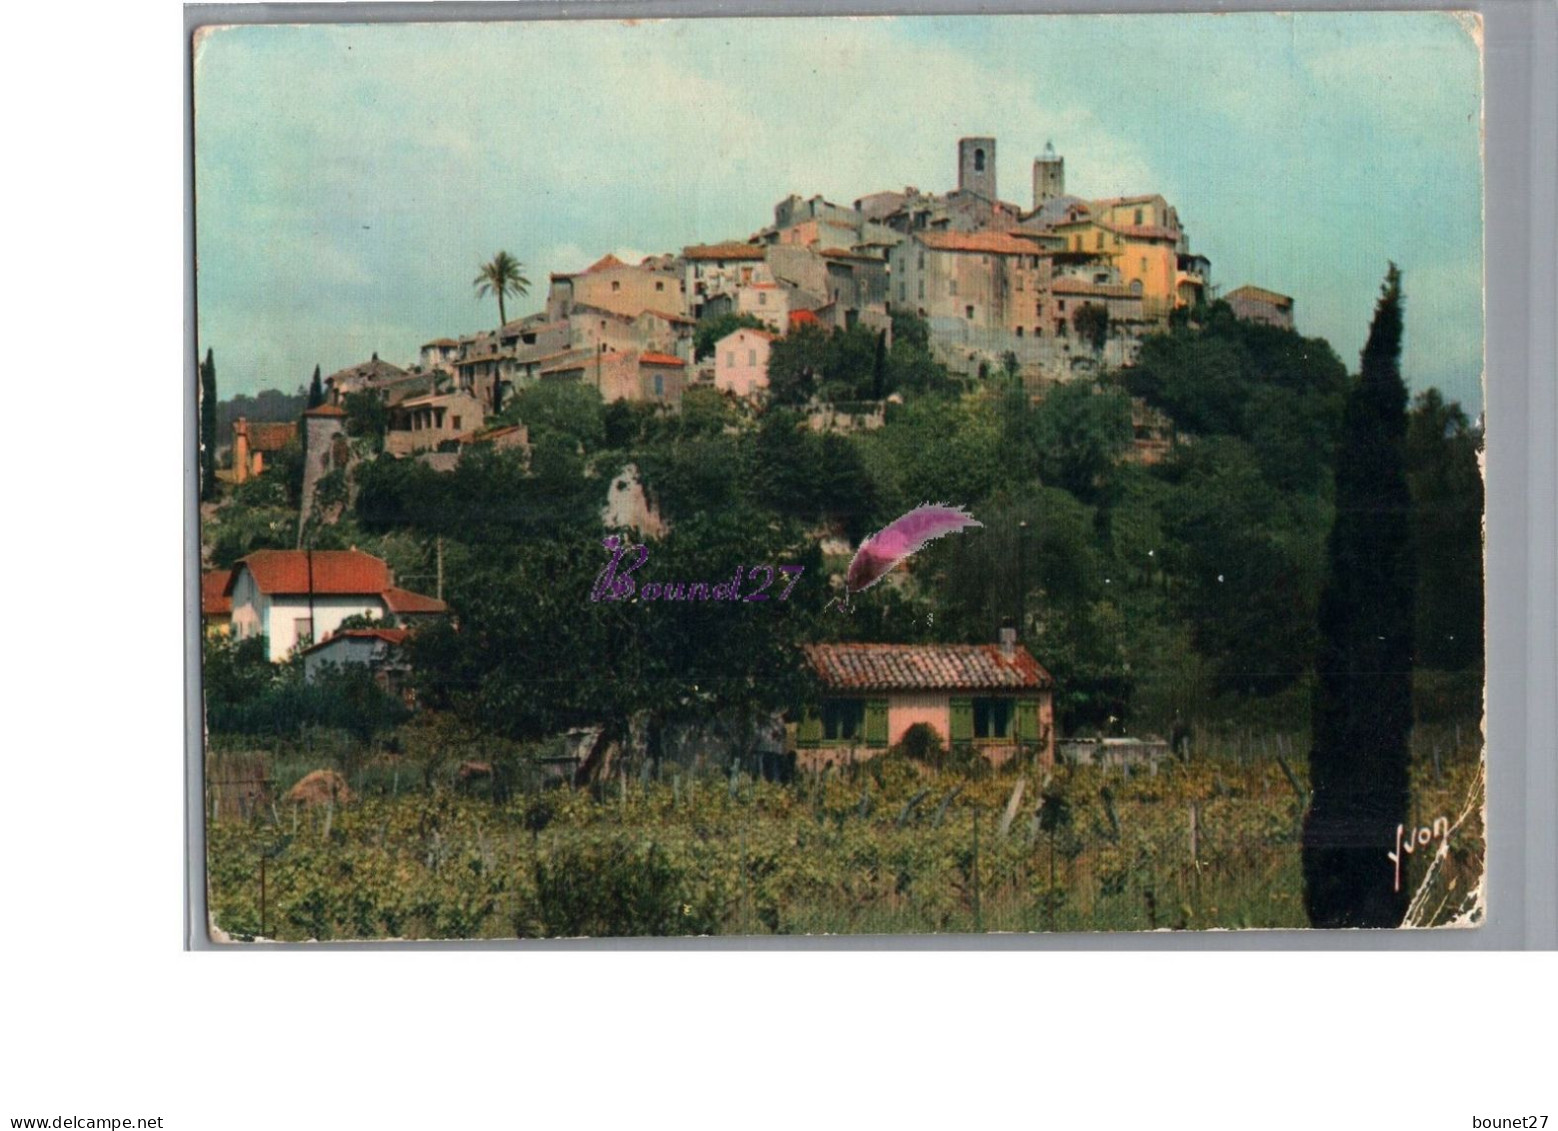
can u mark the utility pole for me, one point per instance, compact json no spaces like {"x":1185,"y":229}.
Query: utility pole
{"x":439,"y":592}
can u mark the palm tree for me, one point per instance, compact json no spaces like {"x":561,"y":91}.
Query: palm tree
{"x":502,"y":277}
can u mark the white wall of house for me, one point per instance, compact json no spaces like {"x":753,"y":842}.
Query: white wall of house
{"x":277,"y":618}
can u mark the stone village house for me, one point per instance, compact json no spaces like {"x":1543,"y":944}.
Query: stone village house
{"x":994,"y":698}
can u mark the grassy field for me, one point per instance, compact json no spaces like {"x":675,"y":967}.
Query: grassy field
{"x":888,"y":847}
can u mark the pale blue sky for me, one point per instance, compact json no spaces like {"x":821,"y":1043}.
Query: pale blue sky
{"x":351,"y":179}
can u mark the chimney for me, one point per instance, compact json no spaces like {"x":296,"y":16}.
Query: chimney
{"x":1008,"y":640}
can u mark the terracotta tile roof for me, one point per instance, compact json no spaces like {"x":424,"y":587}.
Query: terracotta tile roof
{"x":844,"y":253}
{"x":372,"y":370}
{"x":763,"y":286}
{"x":682,"y":318}
{"x":398,"y":600}
{"x":325,"y":410}
{"x":604,"y":263}
{"x":268,"y":436}
{"x":991,"y":243}
{"x":343,"y":572}
{"x":388,"y":635}
{"x":926,"y":667}
{"x":728,"y":250}
{"x":1143,"y":231}
{"x":1066,"y":286}
{"x":1259,"y":294}
{"x":804,"y":318}
{"x":756,"y":333}
{"x":660,"y":359}
{"x":1116,"y":201}
{"x":214,"y":599}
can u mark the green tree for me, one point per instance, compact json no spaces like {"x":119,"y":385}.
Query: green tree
{"x":316,"y":390}
{"x":710,"y":330}
{"x":1447,"y":507}
{"x":1074,"y":437}
{"x":208,"y":428}
{"x":367,"y":417}
{"x":503,"y":277}
{"x":1362,"y":717}
{"x":797,"y":364}
{"x":1092,"y":324}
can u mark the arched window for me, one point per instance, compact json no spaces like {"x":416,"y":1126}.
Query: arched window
{"x":979,"y":160}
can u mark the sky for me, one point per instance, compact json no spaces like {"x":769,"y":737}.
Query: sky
{"x":351,"y":179}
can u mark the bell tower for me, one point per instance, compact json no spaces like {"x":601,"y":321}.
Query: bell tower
{"x":1049,"y":176}
{"x":976,"y":166}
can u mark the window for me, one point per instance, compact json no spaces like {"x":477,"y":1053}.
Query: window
{"x":1019,"y":282}
{"x":1144,"y":265}
{"x":979,"y":160}
{"x":993,"y":718}
{"x":902,"y":293}
{"x":730,"y":358}
{"x":304,"y":628}
{"x":1100,"y":241}
{"x":952,"y":286}
{"x":922,"y":261}
{"x":659,"y":385}
{"x":1019,"y":331}
{"x":1060,"y":305}
{"x":762,"y":298}
{"x":615,"y":286}
{"x":454,"y":422}
{"x":968,"y":312}
{"x":1138,"y":216}
{"x":922,"y":293}
{"x":843,"y":720}
{"x":659,"y":286}
{"x":751,"y":357}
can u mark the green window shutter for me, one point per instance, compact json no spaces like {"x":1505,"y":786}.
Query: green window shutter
{"x":1027,"y":720}
{"x":962,"y":721}
{"x":809,"y":731}
{"x":876,"y":722}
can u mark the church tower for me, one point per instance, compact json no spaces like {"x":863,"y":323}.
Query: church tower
{"x":1049,"y":176}
{"x":976,"y":166}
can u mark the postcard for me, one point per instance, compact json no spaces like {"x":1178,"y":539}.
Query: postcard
{"x":822,"y":476}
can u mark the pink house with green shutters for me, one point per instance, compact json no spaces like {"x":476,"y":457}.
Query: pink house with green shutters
{"x":995,"y":699}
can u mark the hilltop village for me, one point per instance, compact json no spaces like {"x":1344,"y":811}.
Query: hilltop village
{"x":839,"y":365}
{"x":1058,"y":290}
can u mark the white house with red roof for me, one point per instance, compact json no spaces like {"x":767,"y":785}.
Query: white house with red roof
{"x":741,"y":361}
{"x":295,"y":597}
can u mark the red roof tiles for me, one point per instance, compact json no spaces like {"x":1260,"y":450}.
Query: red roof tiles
{"x":320,"y":571}
{"x":214,"y":600}
{"x":660,"y":359}
{"x":270,"y":436}
{"x":398,"y":600}
{"x":926,"y":667}
{"x":1259,"y":294}
{"x":728,"y":250}
{"x":991,"y":243}
{"x":1068,"y":286}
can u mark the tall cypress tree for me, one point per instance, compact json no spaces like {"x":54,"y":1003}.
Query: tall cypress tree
{"x":316,"y":390}
{"x":1362,"y":718}
{"x":208,"y":427}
